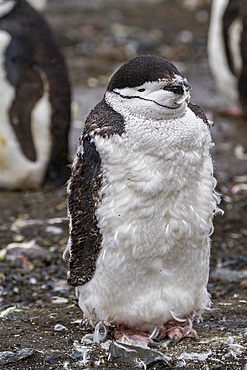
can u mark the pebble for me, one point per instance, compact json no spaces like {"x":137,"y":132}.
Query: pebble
{"x":229,"y":275}
{"x":7,"y":357}
{"x":136,"y":356}
{"x":29,"y":249}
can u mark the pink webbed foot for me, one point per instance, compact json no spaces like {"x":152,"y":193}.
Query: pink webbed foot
{"x":233,"y":111}
{"x":133,"y":336}
{"x":176,"y":331}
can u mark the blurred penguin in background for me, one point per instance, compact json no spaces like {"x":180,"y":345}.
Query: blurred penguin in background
{"x":227,"y":50}
{"x":35,"y":101}
{"x":38,"y":4}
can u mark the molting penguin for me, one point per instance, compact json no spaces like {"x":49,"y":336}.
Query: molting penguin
{"x":227,"y":50}
{"x":141,"y":202}
{"x":35,"y":100}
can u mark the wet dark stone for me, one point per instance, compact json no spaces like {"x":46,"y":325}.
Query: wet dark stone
{"x":50,"y":285}
{"x":24,"y":353}
{"x":136,"y":356}
{"x":76,"y":356}
{"x":53,"y":359}
{"x":9,"y":357}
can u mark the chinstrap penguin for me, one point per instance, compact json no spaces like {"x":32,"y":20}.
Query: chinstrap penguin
{"x":35,"y":100}
{"x":227,"y":51}
{"x":141,"y":202}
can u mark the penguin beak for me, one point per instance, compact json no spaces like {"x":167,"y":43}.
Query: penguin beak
{"x":186,"y":92}
{"x":186,"y":85}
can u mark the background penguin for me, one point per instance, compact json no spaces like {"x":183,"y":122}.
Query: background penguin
{"x":38,"y":4}
{"x":227,"y":50}
{"x":141,"y":201}
{"x":35,"y":100}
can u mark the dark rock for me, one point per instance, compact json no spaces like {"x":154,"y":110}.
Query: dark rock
{"x":30,"y":250}
{"x":24,"y":353}
{"x":77,"y":356}
{"x":228,"y":275}
{"x":53,"y":359}
{"x":137,"y":356}
{"x":9,"y":357}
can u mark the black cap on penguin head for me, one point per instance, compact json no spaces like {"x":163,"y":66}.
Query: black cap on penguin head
{"x":142,"y":69}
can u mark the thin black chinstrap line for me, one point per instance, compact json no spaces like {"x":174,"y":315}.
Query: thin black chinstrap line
{"x":138,"y":97}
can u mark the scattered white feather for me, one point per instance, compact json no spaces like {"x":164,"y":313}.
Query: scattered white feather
{"x":59,"y":327}
{"x":195,"y":356}
{"x":140,"y":363}
{"x":59,"y":300}
{"x":84,"y":350}
{"x":66,"y":365}
{"x":235,"y":348}
{"x":106,"y":345}
{"x":154,"y":333}
{"x":76,"y":322}
{"x":100,"y":332}
{"x":87,"y":339}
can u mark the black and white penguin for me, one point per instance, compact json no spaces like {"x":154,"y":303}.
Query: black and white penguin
{"x":141,"y":202}
{"x":227,"y":50}
{"x":35,"y":100}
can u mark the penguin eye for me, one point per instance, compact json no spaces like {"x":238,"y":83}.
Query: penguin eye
{"x":141,"y":90}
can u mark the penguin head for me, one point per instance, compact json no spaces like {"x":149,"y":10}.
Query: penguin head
{"x":6,"y":6}
{"x":149,"y":86}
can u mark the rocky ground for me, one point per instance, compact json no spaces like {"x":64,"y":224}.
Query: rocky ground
{"x":41,"y":325}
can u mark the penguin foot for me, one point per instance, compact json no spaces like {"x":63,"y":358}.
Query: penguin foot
{"x":233,"y":111}
{"x":132,"y":336}
{"x":176,"y":331}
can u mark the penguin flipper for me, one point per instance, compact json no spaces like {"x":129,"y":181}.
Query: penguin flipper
{"x":83,"y":194}
{"x":85,"y":237}
{"x":28,"y":93}
{"x":198,"y":112}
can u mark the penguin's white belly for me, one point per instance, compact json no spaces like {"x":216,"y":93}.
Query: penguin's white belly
{"x":16,"y":170}
{"x":155,"y":218}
